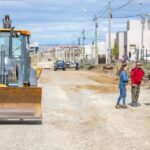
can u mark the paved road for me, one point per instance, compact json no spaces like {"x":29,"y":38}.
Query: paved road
{"x":80,"y":119}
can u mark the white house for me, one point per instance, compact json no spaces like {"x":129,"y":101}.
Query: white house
{"x":90,"y":50}
{"x":130,"y":41}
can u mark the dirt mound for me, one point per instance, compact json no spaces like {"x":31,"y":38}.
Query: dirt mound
{"x":97,"y":88}
{"x":104,"y":78}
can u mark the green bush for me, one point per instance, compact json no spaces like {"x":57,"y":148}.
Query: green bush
{"x":115,"y":51}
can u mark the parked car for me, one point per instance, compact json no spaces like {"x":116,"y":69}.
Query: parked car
{"x":45,"y":64}
{"x":70,"y":64}
{"x":59,"y":64}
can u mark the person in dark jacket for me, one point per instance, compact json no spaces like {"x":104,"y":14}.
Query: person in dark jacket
{"x":77,"y":66}
{"x":137,"y":75}
{"x":122,"y":85}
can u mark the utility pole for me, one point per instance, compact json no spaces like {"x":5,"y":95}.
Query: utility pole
{"x":70,"y":53}
{"x":83,"y":35}
{"x":92,"y":50}
{"x":79,"y":51}
{"x":149,"y":22}
{"x":65,"y":56}
{"x":79,"y":41}
{"x":142,"y":30}
{"x":142,"y":36}
{"x":144,"y":19}
{"x":96,"y":47}
{"x":109,"y":35}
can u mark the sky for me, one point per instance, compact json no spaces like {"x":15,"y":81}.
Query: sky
{"x":62,"y":21}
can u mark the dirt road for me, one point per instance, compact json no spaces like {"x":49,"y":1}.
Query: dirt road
{"x":78,"y":117}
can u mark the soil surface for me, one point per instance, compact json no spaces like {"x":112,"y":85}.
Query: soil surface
{"x":79,"y":114}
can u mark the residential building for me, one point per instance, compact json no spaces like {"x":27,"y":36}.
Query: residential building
{"x":129,"y":42}
{"x":34,"y":47}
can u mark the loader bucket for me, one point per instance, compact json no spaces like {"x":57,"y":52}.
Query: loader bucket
{"x":20,"y":103}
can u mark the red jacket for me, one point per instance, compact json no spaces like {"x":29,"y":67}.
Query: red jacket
{"x":137,"y":76}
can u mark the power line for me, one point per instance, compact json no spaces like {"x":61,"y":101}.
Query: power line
{"x":124,"y":5}
{"x":101,"y":11}
{"x":104,"y":12}
{"x":115,"y":9}
{"x":122,"y":17}
{"x":138,"y":15}
{"x":94,"y":37}
{"x":105,"y":9}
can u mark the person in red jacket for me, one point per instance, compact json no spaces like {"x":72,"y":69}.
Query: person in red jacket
{"x":137,"y":75}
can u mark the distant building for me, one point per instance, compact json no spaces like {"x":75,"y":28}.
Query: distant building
{"x":102,"y":48}
{"x":70,"y":53}
{"x":34,"y":46}
{"x":129,"y":42}
{"x":90,"y":50}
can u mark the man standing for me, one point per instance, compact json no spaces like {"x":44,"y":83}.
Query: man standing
{"x":77,"y":66}
{"x":137,"y":75}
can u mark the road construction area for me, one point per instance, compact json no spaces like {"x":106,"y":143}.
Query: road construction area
{"x":79,"y":114}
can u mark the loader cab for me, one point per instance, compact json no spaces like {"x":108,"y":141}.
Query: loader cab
{"x":15,"y":45}
{"x":19,"y":45}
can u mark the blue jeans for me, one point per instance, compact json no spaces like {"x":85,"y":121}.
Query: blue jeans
{"x":122,"y":94}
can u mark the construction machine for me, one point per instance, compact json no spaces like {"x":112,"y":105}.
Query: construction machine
{"x":20,"y":97}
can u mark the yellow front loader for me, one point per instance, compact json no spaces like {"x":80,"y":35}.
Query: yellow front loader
{"x":20,"y":97}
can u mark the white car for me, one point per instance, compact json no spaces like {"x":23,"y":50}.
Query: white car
{"x":70,"y":64}
{"x":45,"y":64}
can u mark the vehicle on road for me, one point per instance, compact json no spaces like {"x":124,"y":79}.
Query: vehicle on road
{"x":59,"y":64}
{"x":45,"y":65}
{"x":70,"y":64}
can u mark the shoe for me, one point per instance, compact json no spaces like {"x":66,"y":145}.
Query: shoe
{"x":117,"y":106}
{"x":134,"y":104}
{"x":124,"y":106}
{"x":138,"y":104}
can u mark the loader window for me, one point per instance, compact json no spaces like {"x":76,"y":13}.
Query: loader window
{"x":17,"y":44}
{"x":4,"y":42}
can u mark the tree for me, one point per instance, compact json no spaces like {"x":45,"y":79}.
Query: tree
{"x":115,"y":51}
